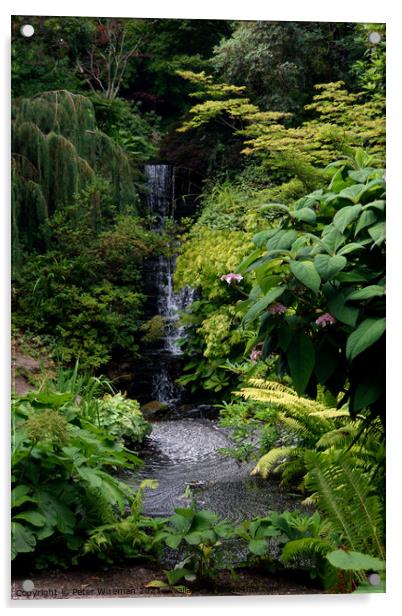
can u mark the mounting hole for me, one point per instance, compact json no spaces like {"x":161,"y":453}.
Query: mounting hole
{"x":374,"y":38}
{"x":374,"y":579}
{"x":28,"y":585}
{"x":27,"y":30}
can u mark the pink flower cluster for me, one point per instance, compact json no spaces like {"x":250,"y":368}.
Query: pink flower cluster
{"x":256,"y":353}
{"x":276,"y":308}
{"x":230,"y":277}
{"x":325,"y":319}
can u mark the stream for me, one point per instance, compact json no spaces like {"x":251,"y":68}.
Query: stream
{"x":184,"y":452}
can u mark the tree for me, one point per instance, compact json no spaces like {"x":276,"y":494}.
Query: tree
{"x":280,"y":62}
{"x":57,"y":151}
{"x":115,"y":43}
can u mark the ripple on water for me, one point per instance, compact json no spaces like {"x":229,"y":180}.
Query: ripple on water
{"x":185,"y":452}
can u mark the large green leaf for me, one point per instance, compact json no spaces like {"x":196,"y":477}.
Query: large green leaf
{"x":332,"y":239}
{"x":377,"y":233}
{"x":355,"y":561}
{"x":19,"y":495}
{"x":346,"y":215}
{"x":301,"y":359}
{"x":262,"y":304}
{"x":282,"y":240}
{"x":33,"y":517}
{"x":353,"y":193}
{"x":351,"y":247}
{"x":373,"y":290}
{"x":368,"y":332}
{"x":338,"y":309}
{"x":327,"y":358}
{"x":22,"y":539}
{"x":367,"y":218}
{"x":173,"y":541}
{"x":368,"y":390}
{"x":306,"y":214}
{"x":328,"y":266}
{"x":258,"y":546}
{"x":307,"y":274}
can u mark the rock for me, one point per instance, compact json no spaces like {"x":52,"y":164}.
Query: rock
{"x":154,"y":410}
{"x":24,"y":369}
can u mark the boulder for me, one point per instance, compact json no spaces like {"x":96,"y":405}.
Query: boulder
{"x":154,"y":410}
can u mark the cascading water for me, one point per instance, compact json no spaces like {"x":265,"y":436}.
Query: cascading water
{"x":183,"y":452}
{"x":160,"y":201}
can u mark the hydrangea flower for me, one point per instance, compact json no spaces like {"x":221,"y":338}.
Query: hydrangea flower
{"x":276,"y":308}
{"x":256,"y":353}
{"x":232,"y":276}
{"x":325,"y":319}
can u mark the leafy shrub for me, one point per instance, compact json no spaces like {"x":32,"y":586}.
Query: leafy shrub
{"x":92,"y":312}
{"x":326,"y":264}
{"x":252,"y":428}
{"x":133,"y":536}
{"x":154,"y":329}
{"x":200,"y":532}
{"x":122,"y":418}
{"x":62,"y":481}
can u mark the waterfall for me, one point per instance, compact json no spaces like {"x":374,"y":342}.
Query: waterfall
{"x":160,"y":201}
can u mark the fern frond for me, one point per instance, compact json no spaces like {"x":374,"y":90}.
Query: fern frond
{"x":269,"y":461}
{"x":331,"y":413}
{"x":340,"y":437}
{"x":278,"y":395}
{"x":345,"y":496}
{"x":293,"y":470}
{"x":306,"y":546}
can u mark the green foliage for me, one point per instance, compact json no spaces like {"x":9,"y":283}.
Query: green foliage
{"x":46,"y":60}
{"x":58,"y":151}
{"x":295,"y":534}
{"x":296,"y":150}
{"x":329,"y":271}
{"x":253,"y":428}
{"x":139,"y":134}
{"x":133,"y":536}
{"x":275,"y":61}
{"x":200,"y":533}
{"x":92,"y":312}
{"x":62,"y":481}
{"x":154,"y":329}
{"x":310,"y":425}
{"x":346,"y":496}
{"x":122,"y":418}
{"x":370,"y":70}
{"x":205,"y":255}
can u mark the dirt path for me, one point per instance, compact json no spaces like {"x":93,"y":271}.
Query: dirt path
{"x":130,"y":581}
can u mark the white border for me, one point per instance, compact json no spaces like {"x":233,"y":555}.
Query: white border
{"x":296,"y":10}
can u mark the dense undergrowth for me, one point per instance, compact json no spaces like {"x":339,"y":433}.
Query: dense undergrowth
{"x":284,"y":244}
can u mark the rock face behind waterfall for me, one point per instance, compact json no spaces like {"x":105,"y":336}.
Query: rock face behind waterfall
{"x":164,"y":361}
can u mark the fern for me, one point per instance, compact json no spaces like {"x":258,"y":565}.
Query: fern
{"x":345,"y":495}
{"x":269,"y":461}
{"x":305,"y":420}
{"x":306,"y":546}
